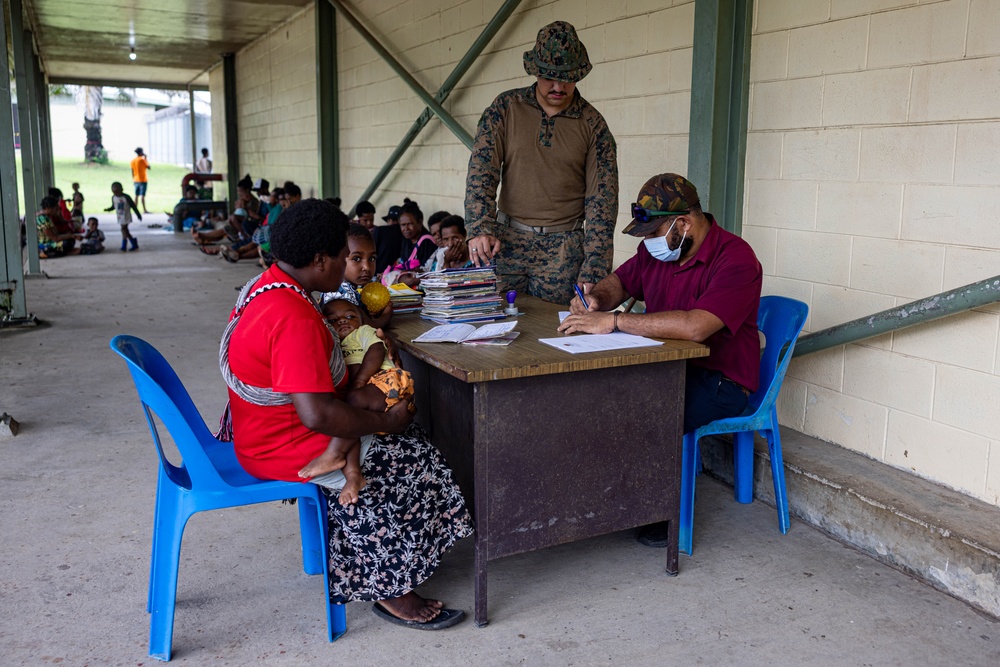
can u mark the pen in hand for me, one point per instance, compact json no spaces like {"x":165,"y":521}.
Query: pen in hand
{"x":579,"y":293}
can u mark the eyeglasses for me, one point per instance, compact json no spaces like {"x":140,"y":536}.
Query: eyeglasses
{"x":645,"y":215}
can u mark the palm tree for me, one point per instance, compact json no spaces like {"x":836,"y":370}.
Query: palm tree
{"x":90,"y":99}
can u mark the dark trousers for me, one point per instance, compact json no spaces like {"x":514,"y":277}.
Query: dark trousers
{"x":707,"y":397}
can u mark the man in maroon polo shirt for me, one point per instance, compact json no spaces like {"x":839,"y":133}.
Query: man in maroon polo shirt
{"x":699,"y":283}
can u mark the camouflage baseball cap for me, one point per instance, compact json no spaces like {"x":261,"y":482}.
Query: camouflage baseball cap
{"x":558,"y":54}
{"x":662,"y":194}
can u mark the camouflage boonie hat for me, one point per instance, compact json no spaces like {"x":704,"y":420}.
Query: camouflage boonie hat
{"x":558,"y":54}
{"x":665,"y":192}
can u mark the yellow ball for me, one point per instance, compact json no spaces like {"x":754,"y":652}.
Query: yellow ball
{"x":375,"y":296}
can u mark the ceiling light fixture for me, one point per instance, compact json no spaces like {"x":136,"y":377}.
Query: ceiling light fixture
{"x":131,"y":54}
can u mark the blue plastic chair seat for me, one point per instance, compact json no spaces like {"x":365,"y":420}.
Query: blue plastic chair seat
{"x":209,"y":477}
{"x":781,"y":320}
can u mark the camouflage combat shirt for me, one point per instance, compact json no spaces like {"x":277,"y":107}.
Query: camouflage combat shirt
{"x":554,"y":170}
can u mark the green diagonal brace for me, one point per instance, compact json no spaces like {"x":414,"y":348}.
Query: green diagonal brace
{"x":427,"y":98}
{"x":489,"y":32}
{"x":958,"y":300}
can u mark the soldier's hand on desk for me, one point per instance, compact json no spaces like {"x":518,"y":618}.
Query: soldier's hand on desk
{"x":585,"y":322}
{"x":399,"y":416}
{"x":482,"y":248}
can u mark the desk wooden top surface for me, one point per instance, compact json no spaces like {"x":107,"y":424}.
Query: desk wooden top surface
{"x":526,"y":357}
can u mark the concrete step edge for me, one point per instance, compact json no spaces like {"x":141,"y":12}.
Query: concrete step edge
{"x":943,"y":537}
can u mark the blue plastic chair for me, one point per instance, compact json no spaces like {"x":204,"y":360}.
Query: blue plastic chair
{"x":781,"y":320}
{"x":209,"y":478}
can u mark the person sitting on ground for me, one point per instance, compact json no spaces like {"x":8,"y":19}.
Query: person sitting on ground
{"x":122,"y":205}
{"x":204,"y":240}
{"x":359,"y":272}
{"x":52,"y":242}
{"x":287,"y":379}
{"x":417,"y":247}
{"x":262,"y":235}
{"x":375,"y":384}
{"x":699,"y":283}
{"x":250,"y":204}
{"x":190,"y":218}
{"x":64,"y":221}
{"x":93,"y":239}
{"x":434,"y":226}
{"x":366,"y":214}
{"x":388,"y":240}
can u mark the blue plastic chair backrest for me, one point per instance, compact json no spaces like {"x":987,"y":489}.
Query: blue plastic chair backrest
{"x":161,"y":391}
{"x":780,"y":319}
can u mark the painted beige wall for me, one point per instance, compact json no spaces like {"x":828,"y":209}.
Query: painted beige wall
{"x":276,"y":100}
{"x":873,"y":180}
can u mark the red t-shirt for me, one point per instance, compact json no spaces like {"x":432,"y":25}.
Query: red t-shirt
{"x":723,"y":278}
{"x":281,"y":342}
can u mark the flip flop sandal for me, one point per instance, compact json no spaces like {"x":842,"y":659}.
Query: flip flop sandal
{"x":229,"y":255}
{"x":203,"y":250}
{"x":445,"y":619}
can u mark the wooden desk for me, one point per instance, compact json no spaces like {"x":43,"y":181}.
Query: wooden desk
{"x":550,"y":447}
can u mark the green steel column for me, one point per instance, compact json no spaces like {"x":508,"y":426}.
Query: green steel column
{"x":194,"y":129}
{"x":22,"y":74}
{"x":13,"y":304}
{"x":960,"y":299}
{"x":327,"y":111}
{"x":407,"y":78}
{"x":232,"y":138}
{"x":44,"y":125}
{"x":720,"y":88}
{"x":488,"y":33}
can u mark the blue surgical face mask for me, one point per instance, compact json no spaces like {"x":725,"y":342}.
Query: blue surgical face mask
{"x":660,"y":249}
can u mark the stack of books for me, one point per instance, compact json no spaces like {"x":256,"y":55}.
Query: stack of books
{"x":461,"y":295}
{"x":404,"y":299}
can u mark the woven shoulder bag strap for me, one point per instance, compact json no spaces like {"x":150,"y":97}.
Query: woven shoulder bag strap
{"x":266,"y":396}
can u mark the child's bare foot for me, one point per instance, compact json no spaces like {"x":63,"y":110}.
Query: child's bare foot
{"x":349,"y":494}
{"x":326,"y":462}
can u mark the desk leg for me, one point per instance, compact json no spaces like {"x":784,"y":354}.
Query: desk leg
{"x":480,"y":614}
{"x":672,"y":536}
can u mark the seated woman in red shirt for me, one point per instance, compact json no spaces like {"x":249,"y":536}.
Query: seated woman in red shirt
{"x":286,"y":378}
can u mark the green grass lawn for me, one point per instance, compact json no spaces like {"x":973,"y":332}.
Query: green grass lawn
{"x":95,"y":180}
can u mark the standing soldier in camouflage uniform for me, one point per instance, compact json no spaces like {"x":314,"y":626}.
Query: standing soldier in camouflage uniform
{"x":553,"y":151}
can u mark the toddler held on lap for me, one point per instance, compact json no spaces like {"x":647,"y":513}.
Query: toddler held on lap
{"x":375,"y":384}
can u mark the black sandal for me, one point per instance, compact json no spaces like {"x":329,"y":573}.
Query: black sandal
{"x":445,"y":618}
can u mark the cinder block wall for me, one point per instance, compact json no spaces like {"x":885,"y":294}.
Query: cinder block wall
{"x":873,"y":180}
{"x":276,"y":98}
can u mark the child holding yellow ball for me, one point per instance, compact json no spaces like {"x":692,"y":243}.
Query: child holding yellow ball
{"x":359,"y":274}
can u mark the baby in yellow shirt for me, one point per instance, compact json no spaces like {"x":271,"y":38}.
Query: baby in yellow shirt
{"x":375,"y":384}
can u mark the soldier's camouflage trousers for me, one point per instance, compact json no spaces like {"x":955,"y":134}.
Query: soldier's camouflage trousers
{"x":542,"y":265}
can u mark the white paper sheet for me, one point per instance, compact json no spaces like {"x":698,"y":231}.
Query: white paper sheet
{"x":599,"y":342}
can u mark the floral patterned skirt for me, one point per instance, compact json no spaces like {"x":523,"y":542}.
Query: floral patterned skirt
{"x":407,"y":516}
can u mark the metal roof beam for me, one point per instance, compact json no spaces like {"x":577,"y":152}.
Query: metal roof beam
{"x":158,"y":85}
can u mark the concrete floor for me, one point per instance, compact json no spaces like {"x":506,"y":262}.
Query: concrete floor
{"x":76,"y":506}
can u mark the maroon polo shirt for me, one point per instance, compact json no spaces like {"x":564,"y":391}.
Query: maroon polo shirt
{"x":724,"y":278}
